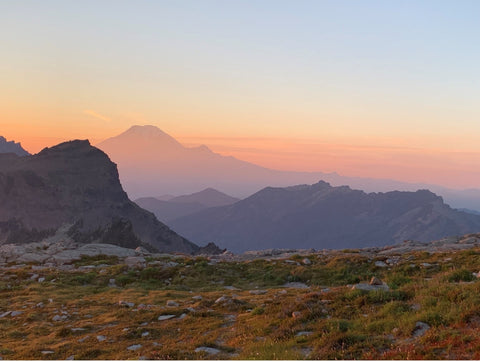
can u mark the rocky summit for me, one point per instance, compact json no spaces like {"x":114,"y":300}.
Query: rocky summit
{"x":72,"y":191}
{"x":11,"y":147}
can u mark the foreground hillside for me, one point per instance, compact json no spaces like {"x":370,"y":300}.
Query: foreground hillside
{"x":322,"y":216}
{"x":411,"y":301}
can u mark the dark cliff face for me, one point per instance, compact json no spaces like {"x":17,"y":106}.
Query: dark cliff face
{"x":320,"y":216}
{"x":76,"y":184}
{"x":11,"y":147}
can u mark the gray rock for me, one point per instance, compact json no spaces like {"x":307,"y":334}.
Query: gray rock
{"x":172,"y":303}
{"x":303,"y":333}
{"x":5,"y":314}
{"x":380,"y":264}
{"x":375,"y":281}
{"x":71,"y":358}
{"x":126,"y":304}
{"x":135,"y":261}
{"x":306,"y":261}
{"x":296,"y":285}
{"x":15,"y":313}
{"x":41,"y":280}
{"x":48,"y":352}
{"x":134,"y":347}
{"x":368,"y":287}
{"x":166,"y":317}
{"x":222,"y":299}
{"x":197,"y":297}
{"x":101,"y":338}
{"x":258,"y":292}
{"x":420,"y":329}
{"x":145,"y":334}
{"x":296,"y":314}
{"x":208,"y":350}
{"x":59,"y":318}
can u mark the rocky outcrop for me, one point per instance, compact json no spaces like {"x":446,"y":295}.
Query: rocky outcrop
{"x":12,"y":147}
{"x":321,"y":216}
{"x":74,"y":187}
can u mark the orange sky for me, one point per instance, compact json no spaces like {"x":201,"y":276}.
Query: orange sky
{"x":379,"y":89}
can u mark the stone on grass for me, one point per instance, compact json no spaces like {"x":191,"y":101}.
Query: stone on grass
{"x":420,"y":329}
{"x":15,"y":313}
{"x":258,"y":292}
{"x":101,"y":338}
{"x":380,"y":264}
{"x":166,"y":317}
{"x":134,"y":347}
{"x":306,"y":261}
{"x":375,"y":281}
{"x":172,"y":303}
{"x":126,"y":304}
{"x":208,"y":350}
{"x":296,"y":314}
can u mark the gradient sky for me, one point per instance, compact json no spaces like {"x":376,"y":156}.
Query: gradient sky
{"x":364,"y":88}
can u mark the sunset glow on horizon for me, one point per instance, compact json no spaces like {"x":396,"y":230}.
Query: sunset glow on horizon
{"x":373,"y":89}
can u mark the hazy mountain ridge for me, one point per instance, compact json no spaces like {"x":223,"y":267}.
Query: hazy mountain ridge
{"x":161,"y":165}
{"x":12,"y":147}
{"x":75,"y":184}
{"x":184,"y":205}
{"x":322,"y":216}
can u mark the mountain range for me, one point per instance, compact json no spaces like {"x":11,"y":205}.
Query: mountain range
{"x":152,"y":162}
{"x":12,"y":147}
{"x":74,"y":189}
{"x":184,"y":205}
{"x":321,"y":216}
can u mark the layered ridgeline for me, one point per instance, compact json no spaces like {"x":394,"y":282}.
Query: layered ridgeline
{"x":175,"y":207}
{"x":75,"y":187}
{"x":321,"y":216}
{"x":11,"y":147}
{"x":162,"y":165}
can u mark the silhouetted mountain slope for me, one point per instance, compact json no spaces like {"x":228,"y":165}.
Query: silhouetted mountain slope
{"x":153,"y":163}
{"x":75,"y":186}
{"x":208,"y":197}
{"x":166,"y":210}
{"x":12,"y":147}
{"x":320,"y":216}
{"x":186,"y":204}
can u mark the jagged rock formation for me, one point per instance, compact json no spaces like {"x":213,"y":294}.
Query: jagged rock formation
{"x":168,"y":210}
{"x":75,"y":187}
{"x":11,"y":147}
{"x":322,"y":216}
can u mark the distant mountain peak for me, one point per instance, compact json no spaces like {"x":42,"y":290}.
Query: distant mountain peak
{"x":141,"y":137}
{"x":12,"y":147}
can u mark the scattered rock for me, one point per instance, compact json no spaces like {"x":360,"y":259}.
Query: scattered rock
{"x":182,"y":316}
{"x":71,"y":358}
{"x":101,"y":338}
{"x":135,"y":261}
{"x":126,"y":304}
{"x":375,"y":281}
{"x":197,"y":297}
{"x":426,"y":265}
{"x":172,"y":303}
{"x":258,"y":292}
{"x":166,"y":317}
{"x":296,"y":314}
{"x":34,"y":277}
{"x":208,"y":350}
{"x":306,"y":261}
{"x":145,"y":334}
{"x":59,"y":318}
{"x":420,"y":329}
{"x":5,"y":314}
{"x":296,"y":285}
{"x":41,"y":280}
{"x":134,"y":347}
{"x":303,"y":333}
{"x":47,"y":352}
{"x":222,"y":299}
{"x":368,"y":287}
{"x":380,"y":264}
{"x":111,"y":283}
{"x":15,"y":313}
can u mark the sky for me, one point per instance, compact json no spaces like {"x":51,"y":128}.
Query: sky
{"x":365,"y":88}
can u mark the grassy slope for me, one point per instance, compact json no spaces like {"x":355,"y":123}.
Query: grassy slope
{"x":333,"y":323}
